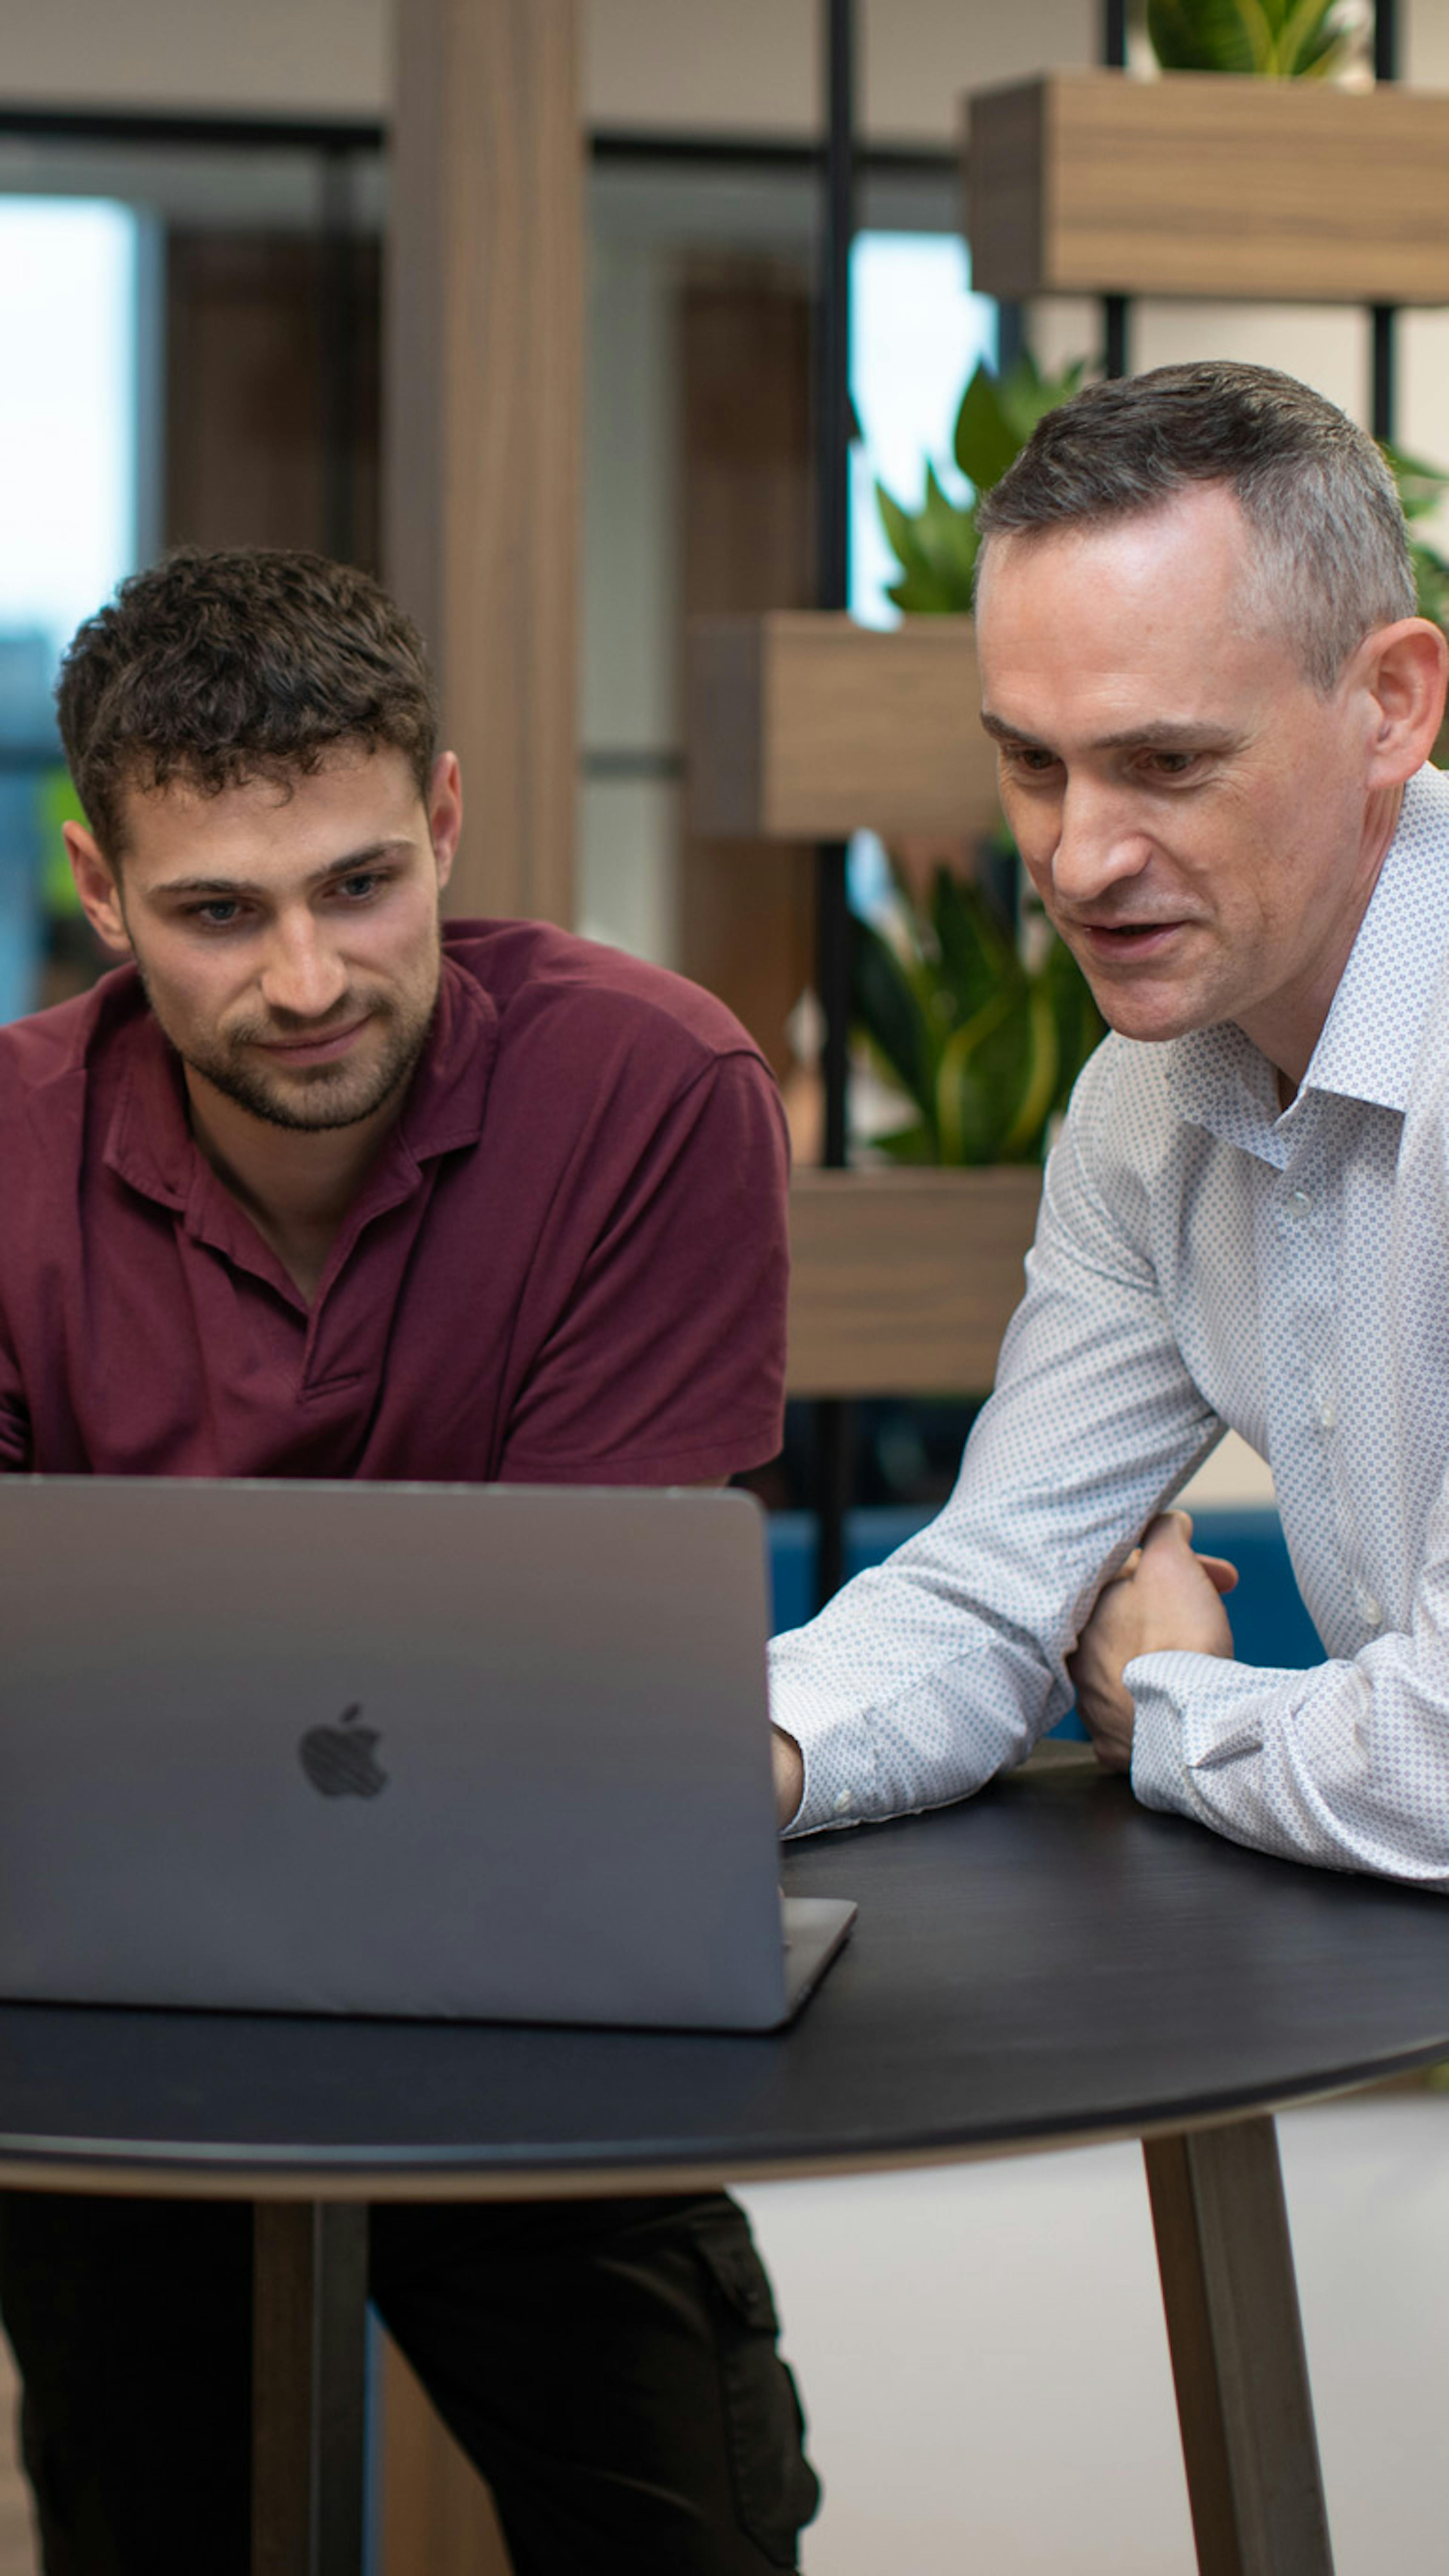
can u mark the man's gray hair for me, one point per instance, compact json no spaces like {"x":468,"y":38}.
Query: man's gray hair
{"x":1332,"y":555}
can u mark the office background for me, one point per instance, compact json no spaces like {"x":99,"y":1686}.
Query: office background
{"x":191,"y":214}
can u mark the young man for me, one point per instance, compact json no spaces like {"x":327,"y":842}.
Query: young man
{"x":1214,"y":704}
{"x":316,"y":1186}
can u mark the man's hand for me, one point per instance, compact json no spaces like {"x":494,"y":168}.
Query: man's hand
{"x":1165,"y":1597}
{"x":789,"y":1764}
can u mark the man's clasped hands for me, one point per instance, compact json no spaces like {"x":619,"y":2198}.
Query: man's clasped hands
{"x":1166,"y":1599}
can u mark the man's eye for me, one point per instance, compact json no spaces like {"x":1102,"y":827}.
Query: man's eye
{"x":358,"y":888}
{"x":1031,"y":757}
{"x":1172,"y":764}
{"x":219,"y":915}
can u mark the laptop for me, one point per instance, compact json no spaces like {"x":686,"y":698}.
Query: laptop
{"x":487,"y":1752}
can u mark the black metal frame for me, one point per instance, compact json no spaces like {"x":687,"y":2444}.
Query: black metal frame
{"x":1384,"y":316}
{"x":834,"y":1419}
{"x":1116,"y":342}
{"x":605,"y":144}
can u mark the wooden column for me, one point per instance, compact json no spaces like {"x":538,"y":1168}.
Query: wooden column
{"x":747,"y":908}
{"x":484,"y":372}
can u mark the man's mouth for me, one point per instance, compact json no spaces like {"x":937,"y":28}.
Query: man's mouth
{"x":319,"y":1049}
{"x":1125,"y":941}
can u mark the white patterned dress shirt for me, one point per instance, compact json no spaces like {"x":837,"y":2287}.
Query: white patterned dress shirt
{"x":1204,"y":1260}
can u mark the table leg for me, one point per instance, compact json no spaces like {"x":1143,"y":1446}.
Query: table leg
{"x":309,"y":2387}
{"x":1237,"y":2352}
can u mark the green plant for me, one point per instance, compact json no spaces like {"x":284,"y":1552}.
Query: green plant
{"x":935,"y":545}
{"x":1273,"y":39}
{"x":1422,"y":491}
{"x":985,"y":1047}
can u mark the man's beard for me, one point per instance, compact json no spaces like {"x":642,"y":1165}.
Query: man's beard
{"x":319,"y":1096}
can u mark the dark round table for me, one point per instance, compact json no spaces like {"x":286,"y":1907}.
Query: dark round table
{"x":1045,"y":1965}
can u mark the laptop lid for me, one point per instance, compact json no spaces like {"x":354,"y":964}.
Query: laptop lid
{"x":492,"y":1751}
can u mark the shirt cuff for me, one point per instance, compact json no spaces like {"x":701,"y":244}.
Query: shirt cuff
{"x":1192,"y":1712}
{"x":841,"y":1783}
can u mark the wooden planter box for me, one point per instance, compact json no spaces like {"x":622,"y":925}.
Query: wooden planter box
{"x":903,"y":1282}
{"x":1202,"y":184}
{"x":809,"y":727}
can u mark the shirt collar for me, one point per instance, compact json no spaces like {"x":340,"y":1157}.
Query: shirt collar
{"x":149,"y":1143}
{"x":1375,"y":1025}
{"x":1369,"y":1043}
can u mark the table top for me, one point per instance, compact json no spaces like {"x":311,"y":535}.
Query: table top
{"x":1047,"y":1963}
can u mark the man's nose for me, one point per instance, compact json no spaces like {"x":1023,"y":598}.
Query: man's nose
{"x":1099,"y":846}
{"x":301,"y":976}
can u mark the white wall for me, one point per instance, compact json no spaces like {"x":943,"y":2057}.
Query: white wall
{"x":984,"y":2361}
{"x":628,"y":688}
{"x":750,"y":66}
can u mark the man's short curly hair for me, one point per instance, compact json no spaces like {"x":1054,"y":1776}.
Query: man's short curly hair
{"x":214,"y":668}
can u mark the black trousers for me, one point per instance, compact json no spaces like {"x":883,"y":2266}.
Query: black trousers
{"x":609,"y":2365}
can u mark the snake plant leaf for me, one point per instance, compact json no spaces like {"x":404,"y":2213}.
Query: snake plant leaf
{"x":917,"y":1144}
{"x":1310,"y":44}
{"x":906,"y":546}
{"x":1199,"y":36}
{"x":1421,"y":486}
{"x":999,"y":413}
{"x":1431,"y":581}
{"x":949,"y":536}
{"x":969,"y":1089}
{"x":936,"y":545}
{"x":1026,"y":395}
{"x":1272,"y":39}
{"x":975,"y":955}
{"x":888,"y":1007}
{"x":1043,"y":1077}
{"x":984,"y":440}
{"x":1080,"y":1026}
{"x":935,"y":569}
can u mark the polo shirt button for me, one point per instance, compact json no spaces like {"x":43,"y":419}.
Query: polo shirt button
{"x":843,"y":1801}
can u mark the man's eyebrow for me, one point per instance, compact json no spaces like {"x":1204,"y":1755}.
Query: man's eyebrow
{"x":218,"y":886}
{"x":1167,"y":734}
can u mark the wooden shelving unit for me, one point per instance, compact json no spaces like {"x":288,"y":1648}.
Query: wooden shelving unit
{"x":905,"y":1281}
{"x":807,"y":726}
{"x":1100,"y":183}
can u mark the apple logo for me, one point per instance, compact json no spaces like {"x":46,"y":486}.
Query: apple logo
{"x":339,"y":1761}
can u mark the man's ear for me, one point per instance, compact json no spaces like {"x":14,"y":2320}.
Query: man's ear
{"x":1406,"y":671}
{"x":445,"y":812}
{"x":97,"y":886}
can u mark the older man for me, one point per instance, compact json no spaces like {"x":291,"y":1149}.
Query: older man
{"x":1213,"y":703}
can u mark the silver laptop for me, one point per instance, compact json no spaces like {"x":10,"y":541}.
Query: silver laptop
{"x":497,"y":1752}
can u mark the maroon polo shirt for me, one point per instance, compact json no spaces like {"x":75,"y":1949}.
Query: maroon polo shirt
{"x":567,"y":1264}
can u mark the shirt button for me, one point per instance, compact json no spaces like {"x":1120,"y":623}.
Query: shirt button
{"x":1327,"y":1415}
{"x":1299,"y":1203}
{"x":1369,"y":1609}
{"x":843,"y":1801}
